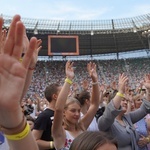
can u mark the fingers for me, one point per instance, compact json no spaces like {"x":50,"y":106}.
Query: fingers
{"x":91,"y":66}
{"x":10,"y":40}
{"x":17,"y":50}
{"x":142,"y":142}
{"x":69,"y":70}
{"x":4,"y":34}
{"x":122,"y":81}
{"x":146,"y":82}
{"x":38,"y":43}
{"x":69,"y":64}
{"x":3,"y":39}
{"x":1,"y":24}
{"x":39,"y":48}
{"x":28,"y":55}
{"x":123,"y":78}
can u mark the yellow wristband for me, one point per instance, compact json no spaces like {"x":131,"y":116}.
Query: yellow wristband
{"x":19,"y":136}
{"x":20,"y":60}
{"x":51,"y":144}
{"x":120,"y":94}
{"x":68,"y":81}
{"x":148,"y":139}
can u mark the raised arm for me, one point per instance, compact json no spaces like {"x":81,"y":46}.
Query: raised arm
{"x":113,"y":108}
{"x":33,"y":60}
{"x":121,"y":90}
{"x":13,"y":77}
{"x":58,"y":132}
{"x":145,"y":107}
{"x":94,"y":103}
{"x":24,"y":48}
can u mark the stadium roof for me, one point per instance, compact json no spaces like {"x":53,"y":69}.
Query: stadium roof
{"x":95,"y":36}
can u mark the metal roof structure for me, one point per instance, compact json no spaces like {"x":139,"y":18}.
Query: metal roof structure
{"x":95,"y":36}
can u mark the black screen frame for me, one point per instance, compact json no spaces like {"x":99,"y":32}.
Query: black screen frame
{"x":74,"y":53}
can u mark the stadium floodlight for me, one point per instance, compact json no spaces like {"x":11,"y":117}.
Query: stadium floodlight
{"x":134,"y":27}
{"x":58,"y":30}
{"x":35,"y":31}
{"x":92,"y":32}
{"x":35,"y":28}
{"x":134,"y":30}
{"x":146,"y":33}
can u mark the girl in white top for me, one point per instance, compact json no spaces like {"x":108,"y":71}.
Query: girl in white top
{"x":66,"y":125}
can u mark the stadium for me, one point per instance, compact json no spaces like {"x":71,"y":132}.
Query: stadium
{"x":97,"y":38}
{"x":116,"y":46}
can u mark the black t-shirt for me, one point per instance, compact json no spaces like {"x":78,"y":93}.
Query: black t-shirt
{"x":28,"y":109}
{"x":44,"y":122}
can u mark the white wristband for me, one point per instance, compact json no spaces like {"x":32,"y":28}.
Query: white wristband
{"x":94,"y":83}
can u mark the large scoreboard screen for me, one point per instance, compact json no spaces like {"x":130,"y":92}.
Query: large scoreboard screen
{"x":63,"y":45}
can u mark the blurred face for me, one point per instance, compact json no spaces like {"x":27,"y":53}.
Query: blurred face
{"x":107,"y":146}
{"x":29,"y":101}
{"x":124,"y":103}
{"x":138,"y":102}
{"x":72,"y":113}
{"x":132,"y":106}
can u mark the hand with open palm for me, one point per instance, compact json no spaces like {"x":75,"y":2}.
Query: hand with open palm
{"x":13,"y":73}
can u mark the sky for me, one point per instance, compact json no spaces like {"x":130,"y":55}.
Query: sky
{"x":75,"y":9}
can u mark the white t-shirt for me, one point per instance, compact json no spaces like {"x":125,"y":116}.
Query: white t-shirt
{"x":93,"y":126}
{"x":4,"y":146}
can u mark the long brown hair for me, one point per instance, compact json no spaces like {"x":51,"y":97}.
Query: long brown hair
{"x":91,"y":140}
{"x":66,"y":124}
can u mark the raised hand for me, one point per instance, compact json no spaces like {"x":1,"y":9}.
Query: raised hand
{"x":14,"y":39}
{"x":36,"y":51}
{"x":91,"y":67}
{"x":142,"y":141}
{"x":85,"y":84}
{"x":1,"y":24}
{"x":146,"y":82}
{"x":2,"y":40}
{"x":13,"y":73}
{"x":69,"y":70}
{"x":122,"y":83}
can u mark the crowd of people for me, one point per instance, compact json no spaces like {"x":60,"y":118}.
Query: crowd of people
{"x":65,"y":105}
{"x":108,"y":70}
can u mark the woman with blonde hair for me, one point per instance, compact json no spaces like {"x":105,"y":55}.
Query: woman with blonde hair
{"x":120,"y":124}
{"x":67,"y":124}
{"x":141,"y":125}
